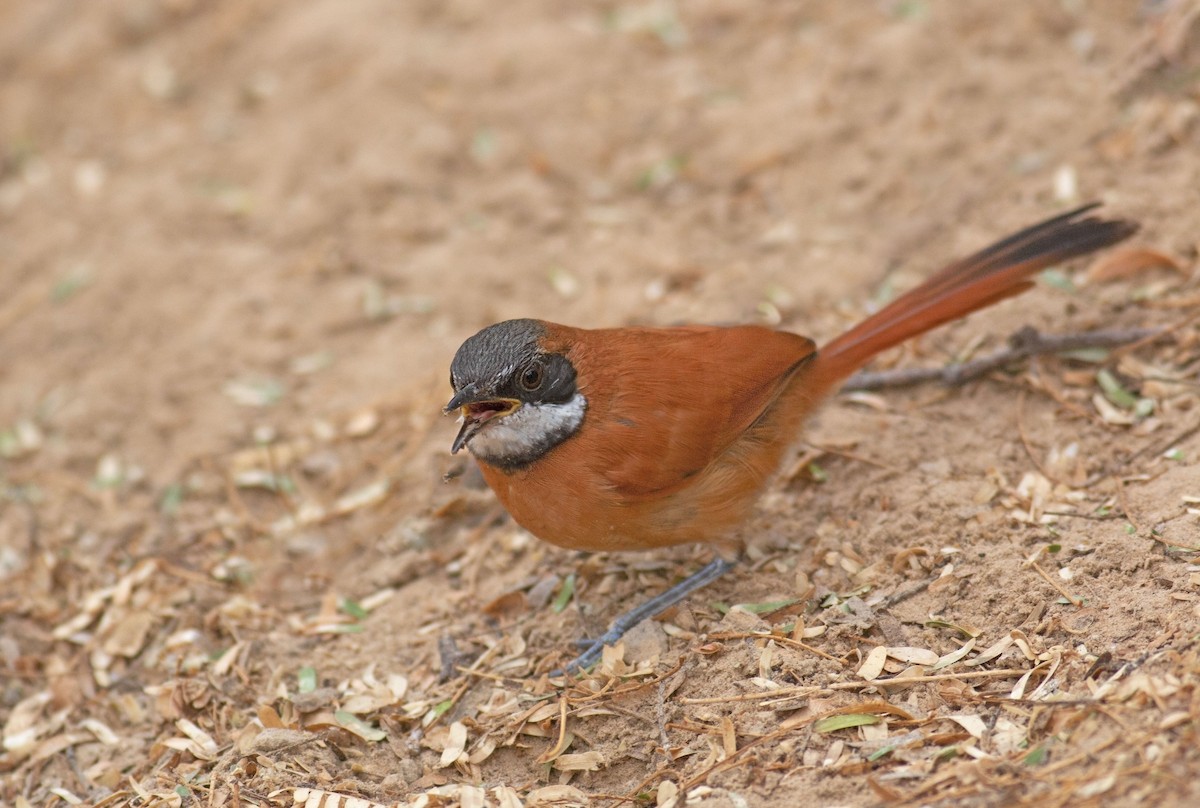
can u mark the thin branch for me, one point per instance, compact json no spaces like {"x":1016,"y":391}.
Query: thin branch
{"x":1023,"y":344}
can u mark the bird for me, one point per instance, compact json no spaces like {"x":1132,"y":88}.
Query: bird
{"x":637,"y":438}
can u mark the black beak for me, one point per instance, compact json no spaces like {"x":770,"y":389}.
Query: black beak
{"x":469,"y":428}
{"x":468,"y":395}
{"x":476,"y":411}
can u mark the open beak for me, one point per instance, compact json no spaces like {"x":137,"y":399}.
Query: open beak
{"x":475,"y":411}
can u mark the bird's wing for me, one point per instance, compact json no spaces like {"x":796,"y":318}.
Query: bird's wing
{"x":665,"y":403}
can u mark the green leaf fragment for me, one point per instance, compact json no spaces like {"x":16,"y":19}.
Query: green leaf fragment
{"x":1113,"y":390}
{"x":1036,"y":756}
{"x":356,"y":725}
{"x":348,"y":628}
{"x":886,"y":292}
{"x":374,"y":301}
{"x":306,"y":679}
{"x":565,"y":593}
{"x":1093,"y":356}
{"x":1057,"y":279}
{"x":74,"y":281}
{"x":767,"y":606}
{"x":483,"y":145}
{"x":353,"y":608}
{"x":835,"y":722}
{"x":910,"y":10}
{"x":255,"y":391}
{"x":171,"y":499}
{"x":969,"y":633}
{"x":880,"y":752}
{"x":661,"y":173}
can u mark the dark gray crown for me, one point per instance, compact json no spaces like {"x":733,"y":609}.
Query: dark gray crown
{"x":496,"y":359}
{"x":495,"y":352}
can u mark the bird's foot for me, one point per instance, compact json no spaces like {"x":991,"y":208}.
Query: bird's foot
{"x":593,"y":649}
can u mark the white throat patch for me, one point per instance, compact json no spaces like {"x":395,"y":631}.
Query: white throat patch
{"x":528,"y":433}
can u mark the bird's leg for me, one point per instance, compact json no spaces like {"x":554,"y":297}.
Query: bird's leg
{"x":660,"y":603}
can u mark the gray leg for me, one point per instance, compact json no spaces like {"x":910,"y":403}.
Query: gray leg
{"x":660,"y":603}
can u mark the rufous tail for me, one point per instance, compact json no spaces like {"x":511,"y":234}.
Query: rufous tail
{"x":1002,"y":270}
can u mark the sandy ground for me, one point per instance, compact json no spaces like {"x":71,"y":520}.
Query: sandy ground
{"x":242,"y":240}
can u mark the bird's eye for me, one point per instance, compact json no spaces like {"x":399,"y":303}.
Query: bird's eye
{"x":531,"y":377}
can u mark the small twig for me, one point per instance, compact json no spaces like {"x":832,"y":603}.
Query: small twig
{"x":1171,"y":329}
{"x":1074,"y":601}
{"x":788,"y":692}
{"x":732,"y":760}
{"x":899,"y":597}
{"x":1000,"y":673}
{"x":1163,"y":446}
{"x":1040,"y":384}
{"x":611,"y":691}
{"x":509,"y":680}
{"x":1023,"y":344}
{"x":561,"y":744}
{"x":1123,"y":501}
{"x":451,"y":657}
{"x":188,"y":575}
{"x":1075,"y":515}
{"x":277,"y":487}
{"x":633,"y":796}
{"x":1167,"y":545}
{"x":235,"y":499}
{"x":660,"y":715}
{"x":749,"y":635}
{"x":634,"y":714}
{"x":829,"y":450}
{"x":737,"y":757}
{"x":468,"y":681}
{"x":1045,"y":472}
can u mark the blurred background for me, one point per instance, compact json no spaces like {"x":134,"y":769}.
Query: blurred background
{"x":220,"y":214}
{"x":229,"y":224}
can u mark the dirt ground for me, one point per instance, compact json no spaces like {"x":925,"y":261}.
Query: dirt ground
{"x":242,"y":239}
